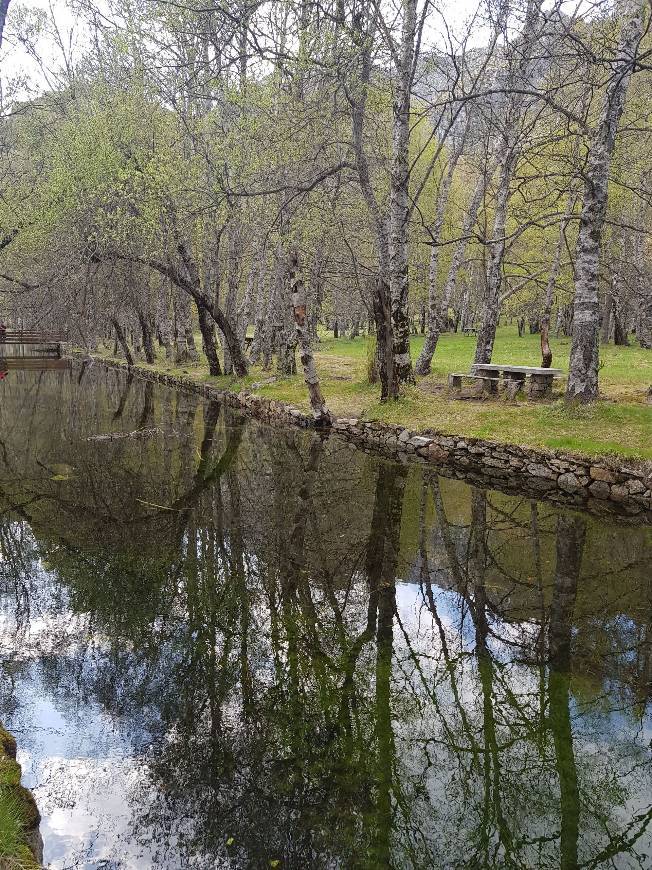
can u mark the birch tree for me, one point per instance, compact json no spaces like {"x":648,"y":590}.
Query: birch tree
{"x":583,"y":366}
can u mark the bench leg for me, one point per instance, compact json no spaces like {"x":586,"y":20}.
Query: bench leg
{"x":514,"y":382}
{"x":454,"y":382}
{"x":491,"y":384}
{"x":540,"y":386}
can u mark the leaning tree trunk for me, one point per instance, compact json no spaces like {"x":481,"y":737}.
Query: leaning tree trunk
{"x":122,"y":341}
{"x":208,"y":339}
{"x":318,"y":404}
{"x":583,"y":367}
{"x":189,"y":281}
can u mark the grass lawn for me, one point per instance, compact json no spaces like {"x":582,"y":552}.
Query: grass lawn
{"x":621,"y":423}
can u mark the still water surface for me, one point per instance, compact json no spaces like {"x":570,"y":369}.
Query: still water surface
{"x":227,"y":645}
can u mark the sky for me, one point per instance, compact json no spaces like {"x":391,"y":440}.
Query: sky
{"x":17,"y":64}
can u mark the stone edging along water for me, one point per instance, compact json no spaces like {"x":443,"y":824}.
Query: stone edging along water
{"x":599,"y":484}
{"x":30,"y":853}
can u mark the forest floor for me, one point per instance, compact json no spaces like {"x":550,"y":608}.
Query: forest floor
{"x":620,"y":423}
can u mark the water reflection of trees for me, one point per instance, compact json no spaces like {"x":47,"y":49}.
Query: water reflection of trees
{"x":241,"y":593}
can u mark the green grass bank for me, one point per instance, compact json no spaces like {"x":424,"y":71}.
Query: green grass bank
{"x":20,"y":843}
{"x":620,"y":423}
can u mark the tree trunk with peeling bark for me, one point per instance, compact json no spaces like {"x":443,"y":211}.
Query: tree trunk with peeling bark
{"x":320,"y":412}
{"x":437,"y":323}
{"x":583,"y":366}
{"x":399,"y":207}
{"x":163,"y":320}
{"x":122,"y":341}
{"x":232,"y":280}
{"x":546,"y":350}
{"x":487,"y":333}
{"x":147,"y":335}
{"x":186,"y":350}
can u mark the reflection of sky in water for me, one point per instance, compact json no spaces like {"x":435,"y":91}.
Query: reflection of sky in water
{"x":86,"y":780}
{"x":93,"y":744}
{"x":610,"y":744}
{"x":88,"y":774}
{"x":89,"y":771}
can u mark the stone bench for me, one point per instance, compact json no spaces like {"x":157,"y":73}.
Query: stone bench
{"x":540,"y":379}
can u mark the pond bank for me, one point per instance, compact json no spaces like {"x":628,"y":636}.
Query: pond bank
{"x":21,"y":844}
{"x":599,"y":484}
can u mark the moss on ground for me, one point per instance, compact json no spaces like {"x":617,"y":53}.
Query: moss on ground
{"x":19,"y":816}
{"x":619,"y":424}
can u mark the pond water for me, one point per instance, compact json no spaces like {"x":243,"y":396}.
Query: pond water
{"x":227,"y":645}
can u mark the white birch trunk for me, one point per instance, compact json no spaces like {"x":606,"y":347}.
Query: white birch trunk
{"x":583,"y":366}
{"x":399,"y":206}
{"x":436,"y":324}
{"x":318,"y":404}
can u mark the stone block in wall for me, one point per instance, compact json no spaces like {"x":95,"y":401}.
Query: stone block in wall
{"x":597,"y":472}
{"x":437,"y":453}
{"x":600,"y":489}
{"x":569,"y":482}
{"x":619,"y":493}
{"x":536,"y":469}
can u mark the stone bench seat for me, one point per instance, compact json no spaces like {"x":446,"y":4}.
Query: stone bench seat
{"x":513,"y":378}
{"x":525,"y":370}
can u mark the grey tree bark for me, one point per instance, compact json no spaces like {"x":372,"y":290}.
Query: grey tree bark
{"x":381,"y":300}
{"x":399,"y":205}
{"x":487,"y":333}
{"x":437,"y":323}
{"x":186,"y":350}
{"x":232,"y":281}
{"x":4,"y":7}
{"x":318,"y":404}
{"x":122,"y":340}
{"x":521,"y":70}
{"x":583,"y":366}
{"x":546,"y":352}
{"x":163,"y":319}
